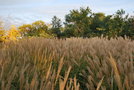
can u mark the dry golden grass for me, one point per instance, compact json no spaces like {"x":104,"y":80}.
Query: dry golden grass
{"x":71,"y":64}
{"x":116,"y":72}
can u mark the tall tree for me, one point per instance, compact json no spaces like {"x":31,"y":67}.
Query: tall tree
{"x":128,"y":29}
{"x":98,"y":24}
{"x":56,"y":26}
{"x":56,"y":22}
{"x":78,"y":22}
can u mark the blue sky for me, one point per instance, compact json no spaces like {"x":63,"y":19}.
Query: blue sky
{"x":31,"y":10}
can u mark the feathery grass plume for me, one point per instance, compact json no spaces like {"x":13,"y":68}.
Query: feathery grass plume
{"x":59,"y":69}
{"x":99,"y":84}
{"x":63,"y":82}
{"x":116,"y":72}
{"x":76,"y":86}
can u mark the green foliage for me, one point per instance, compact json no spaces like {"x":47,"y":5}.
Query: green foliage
{"x":128,"y":29}
{"x":77,"y":22}
{"x":98,"y":25}
{"x":37,"y":29}
{"x":56,"y":26}
{"x":84,"y":23}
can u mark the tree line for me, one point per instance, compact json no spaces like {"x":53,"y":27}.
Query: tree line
{"x":80,"y":23}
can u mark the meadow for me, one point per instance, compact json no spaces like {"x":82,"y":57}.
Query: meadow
{"x":67,"y":64}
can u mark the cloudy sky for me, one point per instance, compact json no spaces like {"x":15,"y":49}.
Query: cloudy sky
{"x":31,"y":10}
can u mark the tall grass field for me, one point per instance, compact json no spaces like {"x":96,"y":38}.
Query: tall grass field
{"x":67,"y":64}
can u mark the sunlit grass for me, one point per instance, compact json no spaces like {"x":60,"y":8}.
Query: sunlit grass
{"x":71,"y":64}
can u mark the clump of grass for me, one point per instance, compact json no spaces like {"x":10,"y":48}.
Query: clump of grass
{"x":71,"y":64}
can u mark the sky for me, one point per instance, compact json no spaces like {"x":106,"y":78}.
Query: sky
{"x":28,"y":11}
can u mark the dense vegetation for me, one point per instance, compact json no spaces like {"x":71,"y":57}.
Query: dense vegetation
{"x":89,"y":51}
{"x":78,"y":23}
{"x":71,"y":64}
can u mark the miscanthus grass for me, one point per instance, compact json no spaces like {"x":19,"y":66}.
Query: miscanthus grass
{"x":67,"y":64}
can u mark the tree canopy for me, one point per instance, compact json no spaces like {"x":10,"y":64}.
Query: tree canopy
{"x":78,"y":23}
